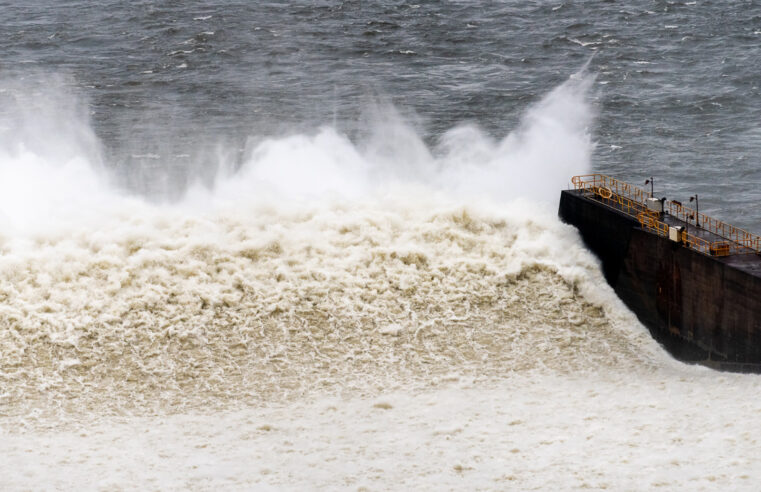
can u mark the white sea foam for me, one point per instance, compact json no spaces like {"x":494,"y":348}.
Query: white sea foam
{"x":337,"y":303}
{"x":288,"y":275}
{"x":536,"y":432}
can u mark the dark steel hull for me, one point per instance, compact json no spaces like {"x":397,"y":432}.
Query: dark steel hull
{"x":700,"y":308}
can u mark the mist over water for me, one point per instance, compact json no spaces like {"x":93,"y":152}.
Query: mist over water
{"x":53,"y":170}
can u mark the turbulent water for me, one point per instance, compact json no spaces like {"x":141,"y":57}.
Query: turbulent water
{"x":315,"y":245}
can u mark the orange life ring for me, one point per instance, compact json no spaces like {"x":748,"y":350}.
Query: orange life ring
{"x":605,"y":192}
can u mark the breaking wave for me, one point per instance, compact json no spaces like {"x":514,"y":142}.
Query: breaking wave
{"x":320,"y":265}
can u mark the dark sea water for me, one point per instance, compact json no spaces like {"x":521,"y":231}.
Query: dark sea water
{"x":676,"y":91}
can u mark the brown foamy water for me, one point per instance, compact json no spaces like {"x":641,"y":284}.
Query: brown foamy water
{"x":175,"y":312}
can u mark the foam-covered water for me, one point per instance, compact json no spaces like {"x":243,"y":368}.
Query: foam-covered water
{"x":319,"y":265}
{"x":223,"y":264}
{"x":262,"y":304}
{"x":327,"y":296}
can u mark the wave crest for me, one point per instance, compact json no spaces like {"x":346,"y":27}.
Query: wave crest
{"x":264,"y":306}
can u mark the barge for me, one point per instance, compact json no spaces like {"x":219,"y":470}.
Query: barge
{"x":692,"y":280}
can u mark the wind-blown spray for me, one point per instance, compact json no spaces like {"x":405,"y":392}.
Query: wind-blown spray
{"x":319,"y":264}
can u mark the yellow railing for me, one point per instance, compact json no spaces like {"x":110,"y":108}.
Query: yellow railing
{"x":632,"y":201}
{"x":715,"y":248}
{"x":624,"y":204}
{"x":589,"y":181}
{"x":727,"y":231}
{"x":621,"y":196}
{"x":652,"y":224}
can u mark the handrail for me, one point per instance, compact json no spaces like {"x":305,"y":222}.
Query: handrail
{"x":716,"y":248}
{"x":614,"y":185}
{"x":633,"y":201}
{"x":626,"y":205}
{"x":727,"y":231}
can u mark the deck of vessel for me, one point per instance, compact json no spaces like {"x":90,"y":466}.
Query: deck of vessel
{"x":748,"y":261}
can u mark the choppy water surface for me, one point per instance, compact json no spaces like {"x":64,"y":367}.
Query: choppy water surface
{"x":314,"y":245}
{"x":168,"y":83}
